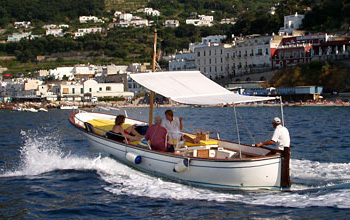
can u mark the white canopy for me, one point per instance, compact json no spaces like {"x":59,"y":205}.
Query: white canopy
{"x":191,"y":87}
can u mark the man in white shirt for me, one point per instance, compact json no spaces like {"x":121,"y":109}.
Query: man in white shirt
{"x":280,"y":137}
{"x":172,"y":124}
{"x":174,"y":127}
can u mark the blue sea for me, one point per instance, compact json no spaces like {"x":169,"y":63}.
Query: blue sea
{"x":48,"y":169}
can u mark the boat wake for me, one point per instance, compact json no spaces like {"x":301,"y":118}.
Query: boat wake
{"x":314,"y":183}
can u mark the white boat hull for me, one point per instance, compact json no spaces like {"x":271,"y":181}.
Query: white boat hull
{"x":255,"y":170}
{"x":68,"y":107}
{"x":245,"y":175}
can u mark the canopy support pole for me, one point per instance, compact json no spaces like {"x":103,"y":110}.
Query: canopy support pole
{"x":239,"y":139}
{"x":150,"y":118}
{"x":282,"y":113}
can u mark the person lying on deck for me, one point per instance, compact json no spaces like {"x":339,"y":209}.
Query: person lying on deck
{"x":130,"y":133}
{"x":157,"y":135}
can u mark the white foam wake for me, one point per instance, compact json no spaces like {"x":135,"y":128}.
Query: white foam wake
{"x":41,"y":154}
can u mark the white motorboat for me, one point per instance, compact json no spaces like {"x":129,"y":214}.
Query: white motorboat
{"x":68,"y":107}
{"x":211,"y":163}
{"x":42,"y":110}
{"x":18,"y":109}
{"x":30,"y":110}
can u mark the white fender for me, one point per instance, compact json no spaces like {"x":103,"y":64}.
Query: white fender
{"x":133,"y":158}
{"x":182,"y":165}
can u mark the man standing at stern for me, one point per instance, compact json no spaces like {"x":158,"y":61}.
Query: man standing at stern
{"x":280,"y":137}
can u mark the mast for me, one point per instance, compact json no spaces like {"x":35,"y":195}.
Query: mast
{"x":153,"y":70}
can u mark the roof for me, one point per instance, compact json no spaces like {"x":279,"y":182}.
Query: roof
{"x":191,"y":87}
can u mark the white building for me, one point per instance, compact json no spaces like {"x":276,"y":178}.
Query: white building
{"x":117,"y":13}
{"x":13,"y":87}
{"x":49,"y":26}
{"x":139,"y":22}
{"x":86,"y":19}
{"x":149,"y":11}
{"x":55,"y":32}
{"x":63,"y":26}
{"x":291,"y":23}
{"x":272,"y":10}
{"x":228,"y":21}
{"x":71,"y":91}
{"x":60,"y":72}
{"x":207,"y":40}
{"x":244,"y":55}
{"x":250,"y":55}
{"x":125,"y":17}
{"x":212,"y":61}
{"x":22,"y":24}
{"x":171,"y":23}
{"x":183,"y":61}
{"x":105,"y":89}
{"x":16,"y":37}
{"x":83,"y":31}
{"x":203,"y":20}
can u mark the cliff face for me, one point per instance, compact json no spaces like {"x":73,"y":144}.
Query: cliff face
{"x":333,"y":76}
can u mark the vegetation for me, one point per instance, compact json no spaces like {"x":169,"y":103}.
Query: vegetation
{"x":54,"y":11}
{"x":332,"y":76}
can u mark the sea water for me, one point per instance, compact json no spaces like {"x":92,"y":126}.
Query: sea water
{"x":48,"y":169}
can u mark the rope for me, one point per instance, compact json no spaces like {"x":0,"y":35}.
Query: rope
{"x":246,"y":128}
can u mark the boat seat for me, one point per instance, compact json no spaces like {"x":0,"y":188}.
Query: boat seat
{"x":102,"y":126}
{"x":114,"y":136}
{"x":89,"y":128}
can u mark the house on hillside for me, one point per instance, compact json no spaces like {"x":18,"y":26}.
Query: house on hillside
{"x":203,"y":20}
{"x":171,"y":23}
{"x":291,"y":23}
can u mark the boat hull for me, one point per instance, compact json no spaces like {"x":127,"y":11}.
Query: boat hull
{"x":244,"y":174}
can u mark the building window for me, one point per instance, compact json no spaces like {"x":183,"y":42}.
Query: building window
{"x":209,"y":52}
{"x":100,"y":89}
{"x":90,"y":90}
{"x":209,"y":61}
{"x":198,"y":54}
{"x":73,"y":90}
{"x":259,"y":52}
{"x":221,"y":51}
{"x":108,"y":88}
{"x":81,"y":90}
{"x":204,"y":53}
{"x":221,"y":59}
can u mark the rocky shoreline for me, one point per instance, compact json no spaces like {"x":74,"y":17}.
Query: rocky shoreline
{"x":59,"y":104}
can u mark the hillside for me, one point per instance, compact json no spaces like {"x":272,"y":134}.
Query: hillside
{"x":125,"y":5}
{"x":38,"y":11}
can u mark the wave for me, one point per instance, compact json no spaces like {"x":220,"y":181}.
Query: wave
{"x":314,"y":183}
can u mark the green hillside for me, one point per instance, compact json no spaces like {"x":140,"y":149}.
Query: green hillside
{"x":125,"y":5}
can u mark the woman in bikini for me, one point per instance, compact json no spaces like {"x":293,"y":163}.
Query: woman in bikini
{"x":130,"y":133}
